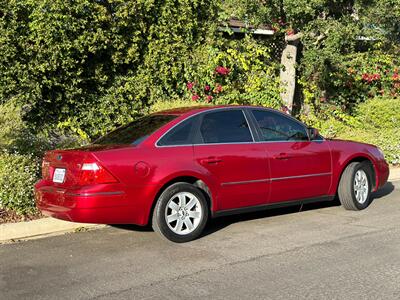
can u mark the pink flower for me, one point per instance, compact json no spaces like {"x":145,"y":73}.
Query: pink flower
{"x":190,"y":85}
{"x":222,"y":70}
{"x":218,"y":88}
{"x":371,"y":77}
{"x":209,"y":98}
{"x":195,"y":97}
{"x":395,"y":77}
{"x":207,"y":88}
{"x":376,"y":76}
{"x":365,"y":77}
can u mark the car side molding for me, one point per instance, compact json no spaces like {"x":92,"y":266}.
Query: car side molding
{"x":249,"y":209}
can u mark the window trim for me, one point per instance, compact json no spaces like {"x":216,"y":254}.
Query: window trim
{"x":197,"y":129}
{"x":144,"y":137}
{"x":193,"y":132}
{"x":253,"y":127}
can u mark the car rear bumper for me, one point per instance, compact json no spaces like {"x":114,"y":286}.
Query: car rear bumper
{"x":102,"y":207}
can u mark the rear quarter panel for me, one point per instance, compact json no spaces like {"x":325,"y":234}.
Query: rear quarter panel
{"x":144,"y":171}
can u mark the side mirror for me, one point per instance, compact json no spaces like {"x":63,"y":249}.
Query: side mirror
{"x":313,"y":133}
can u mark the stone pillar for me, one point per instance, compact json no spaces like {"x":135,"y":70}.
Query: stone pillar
{"x":288,"y":70}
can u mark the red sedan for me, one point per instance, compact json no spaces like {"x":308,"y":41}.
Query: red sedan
{"x":178,"y":168}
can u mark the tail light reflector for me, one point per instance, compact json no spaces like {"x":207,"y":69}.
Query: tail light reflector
{"x":45,"y":170}
{"x":94,"y":173}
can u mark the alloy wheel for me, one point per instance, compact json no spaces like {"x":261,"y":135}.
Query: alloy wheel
{"x":183,"y":213}
{"x":361,"y":188}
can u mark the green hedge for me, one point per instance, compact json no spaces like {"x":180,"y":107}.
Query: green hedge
{"x":91,"y":65}
{"x":387,"y":140}
{"x":376,"y":121}
{"x":94,"y":65}
{"x":20,"y":156}
{"x":18,"y":174}
{"x":379,"y":114}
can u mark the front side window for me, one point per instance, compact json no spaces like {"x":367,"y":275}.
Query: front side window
{"x":276,"y":127}
{"x":181,"y":134}
{"x":135,"y":132}
{"x":225,"y":127}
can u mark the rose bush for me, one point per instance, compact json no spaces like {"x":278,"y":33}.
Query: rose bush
{"x":234,"y":71}
{"x":363,"y":76}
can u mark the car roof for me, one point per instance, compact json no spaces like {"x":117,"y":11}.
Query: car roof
{"x":194,"y":109}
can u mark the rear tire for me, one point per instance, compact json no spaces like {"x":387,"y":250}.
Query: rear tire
{"x":355,"y":186}
{"x":181,"y":213}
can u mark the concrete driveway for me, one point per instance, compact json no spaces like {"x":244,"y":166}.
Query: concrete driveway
{"x":323,"y":252}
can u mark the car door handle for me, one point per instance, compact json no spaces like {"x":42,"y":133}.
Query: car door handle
{"x":211,"y":160}
{"x":281,"y":156}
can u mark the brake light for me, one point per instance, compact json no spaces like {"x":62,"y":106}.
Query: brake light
{"x":94,"y":173}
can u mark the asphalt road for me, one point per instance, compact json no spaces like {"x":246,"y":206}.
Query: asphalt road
{"x":323,"y":252}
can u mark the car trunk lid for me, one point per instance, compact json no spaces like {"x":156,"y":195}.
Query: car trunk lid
{"x":69,"y":162}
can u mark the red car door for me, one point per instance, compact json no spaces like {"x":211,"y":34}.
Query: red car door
{"x":299,"y":168}
{"x":225,"y":149}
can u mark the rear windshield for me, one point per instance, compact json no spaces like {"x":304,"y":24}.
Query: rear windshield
{"x":136,"y":131}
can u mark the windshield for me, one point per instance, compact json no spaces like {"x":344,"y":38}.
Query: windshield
{"x":136,"y":131}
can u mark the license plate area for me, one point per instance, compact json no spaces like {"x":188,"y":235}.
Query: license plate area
{"x":59,"y":175}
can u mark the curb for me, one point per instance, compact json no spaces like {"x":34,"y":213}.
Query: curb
{"x":394,"y":174}
{"x":11,"y":232}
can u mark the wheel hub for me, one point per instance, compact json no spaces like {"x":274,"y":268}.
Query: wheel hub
{"x":182,"y":213}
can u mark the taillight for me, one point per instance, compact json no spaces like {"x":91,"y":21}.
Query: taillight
{"x":45,"y":169}
{"x":94,"y":173}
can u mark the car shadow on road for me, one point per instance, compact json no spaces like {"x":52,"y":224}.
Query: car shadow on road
{"x":384,"y":191}
{"x":133,"y":227}
{"x":220,"y":223}
{"x":217,"y":224}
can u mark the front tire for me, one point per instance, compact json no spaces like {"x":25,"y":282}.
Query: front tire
{"x":355,"y":186}
{"x":181,"y":213}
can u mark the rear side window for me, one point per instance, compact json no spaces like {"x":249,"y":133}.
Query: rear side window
{"x":225,"y":127}
{"x":181,"y":134}
{"x":276,"y":127}
{"x":136,"y":131}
